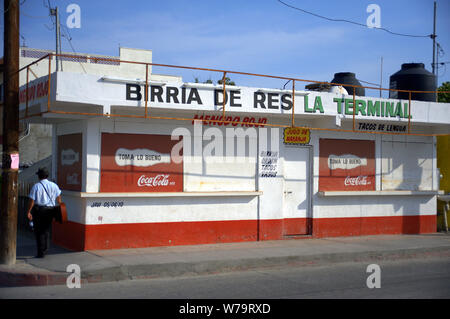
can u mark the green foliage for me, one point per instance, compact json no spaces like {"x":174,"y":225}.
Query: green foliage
{"x":209,"y":81}
{"x":444,"y":97}
{"x":227,"y":81}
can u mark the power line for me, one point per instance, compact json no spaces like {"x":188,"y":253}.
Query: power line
{"x":352,"y":22}
{"x":33,"y":17}
{"x":440,"y":51}
{"x":69,"y":39}
{"x":369,"y":82}
{"x":48,"y":6}
{"x":66,"y":33}
{"x":23,"y":39}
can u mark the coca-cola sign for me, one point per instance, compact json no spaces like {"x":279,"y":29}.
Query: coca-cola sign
{"x":346,"y":165}
{"x":356,"y":181}
{"x":139,"y":163}
{"x":153,"y":181}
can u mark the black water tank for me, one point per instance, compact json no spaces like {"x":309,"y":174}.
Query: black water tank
{"x":414,"y":77}
{"x":349,"y":78}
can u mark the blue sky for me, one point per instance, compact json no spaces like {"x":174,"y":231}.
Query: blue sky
{"x":261,"y":36}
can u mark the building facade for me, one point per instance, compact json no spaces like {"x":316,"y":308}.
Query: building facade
{"x":148,"y":160}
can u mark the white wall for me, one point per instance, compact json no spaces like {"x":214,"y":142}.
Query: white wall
{"x":170,"y":209}
{"x":204,"y":176}
{"x":198,"y":177}
{"x":407,"y":165}
{"x":419,"y":151}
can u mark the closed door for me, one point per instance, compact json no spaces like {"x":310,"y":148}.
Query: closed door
{"x":297,"y":194}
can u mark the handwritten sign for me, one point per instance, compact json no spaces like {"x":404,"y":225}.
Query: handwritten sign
{"x":269,"y":164}
{"x":295,"y":135}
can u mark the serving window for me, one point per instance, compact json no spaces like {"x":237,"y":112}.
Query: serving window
{"x":407,"y":166}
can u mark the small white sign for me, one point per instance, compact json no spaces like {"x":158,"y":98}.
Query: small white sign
{"x":69,"y":157}
{"x":141,"y":157}
{"x":345,"y":161}
{"x":269,"y":163}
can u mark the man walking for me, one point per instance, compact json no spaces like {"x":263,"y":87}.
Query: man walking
{"x":43,"y":198}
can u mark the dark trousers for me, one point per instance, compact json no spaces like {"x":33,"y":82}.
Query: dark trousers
{"x":42,"y":220}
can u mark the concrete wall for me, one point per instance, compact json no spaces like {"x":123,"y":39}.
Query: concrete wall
{"x":207,"y":213}
{"x":37,"y":144}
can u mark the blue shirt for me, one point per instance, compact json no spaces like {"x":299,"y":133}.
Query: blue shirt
{"x":40,"y":196}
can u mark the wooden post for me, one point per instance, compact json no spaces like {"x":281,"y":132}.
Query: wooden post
{"x":9,"y":202}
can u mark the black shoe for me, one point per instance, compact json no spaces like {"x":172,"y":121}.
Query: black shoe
{"x":39,"y":256}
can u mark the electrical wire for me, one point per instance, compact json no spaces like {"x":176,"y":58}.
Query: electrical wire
{"x":69,"y":39}
{"x":444,"y":64}
{"x":50,"y":15}
{"x":352,"y":22}
{"x":23,"y":39}
{"x":369,"y":82}
{"x":33,"y":17}
{"x":65,"y":33}
{"x":440,"y":51}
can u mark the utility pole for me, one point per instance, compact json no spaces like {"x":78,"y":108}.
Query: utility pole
{"x":433,"y":36}
{"x":55,"y":12}
{"x":10,"y":171}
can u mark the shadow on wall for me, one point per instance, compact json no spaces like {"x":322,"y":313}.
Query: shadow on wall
{"x":410,"y":168}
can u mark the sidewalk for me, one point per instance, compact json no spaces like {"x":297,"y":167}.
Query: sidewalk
{"x":154,"y":262}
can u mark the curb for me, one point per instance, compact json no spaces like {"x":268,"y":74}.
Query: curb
{"x":10,"y":276}
{"x":24,"y":274}
{"x":211,"y":267}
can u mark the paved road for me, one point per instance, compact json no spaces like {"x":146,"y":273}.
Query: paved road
{"x":410,"y":278}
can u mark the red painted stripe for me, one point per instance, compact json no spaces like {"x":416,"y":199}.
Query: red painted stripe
{"x":69,"y":235}
{"x":356,"y":226}
{"x":114,"y":236}
{"x":296,"y":226}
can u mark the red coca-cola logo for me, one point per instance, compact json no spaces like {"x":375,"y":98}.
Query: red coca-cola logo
{"x":158,"y":180}
{"x":356,"y":181}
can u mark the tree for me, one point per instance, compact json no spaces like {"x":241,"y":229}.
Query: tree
{"x":209,"y":81}
{"x":227,"y":81}
{"x":444,"y":97}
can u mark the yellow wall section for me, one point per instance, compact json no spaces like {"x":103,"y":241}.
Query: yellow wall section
{"x":443,"y":163}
